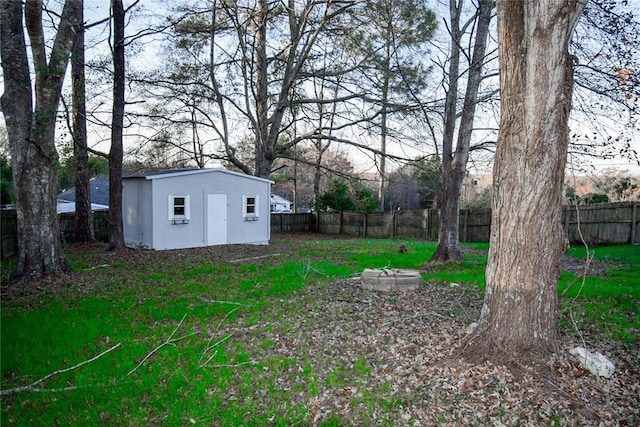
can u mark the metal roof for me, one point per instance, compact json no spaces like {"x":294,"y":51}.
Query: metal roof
{"x":183,"y":172}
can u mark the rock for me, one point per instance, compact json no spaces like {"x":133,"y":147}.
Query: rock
{"x":471,"y":328}
{"x":390,"y":280}
{"x":595,"y":362}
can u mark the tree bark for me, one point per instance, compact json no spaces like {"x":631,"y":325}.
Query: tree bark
{"x":84,"y":221}
{"x":116,"y":233}
{"x":384,"y":130}
{"x":519,"y":314}
{"x":262,"y":146}
{"x":32,"y":130}
{"x":454,"y":165}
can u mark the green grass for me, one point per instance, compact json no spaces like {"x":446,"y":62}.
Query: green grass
{"x":216,"y":314}
{"x":627,"y":254}
{"x":609,"y":302}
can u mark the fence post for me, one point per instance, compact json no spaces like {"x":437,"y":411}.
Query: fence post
{"x":464,"y":229}
{"x":364,"y":225}
{"x":425,"y":223}
{"x":634,"y":221}
{"x":393,"y":224}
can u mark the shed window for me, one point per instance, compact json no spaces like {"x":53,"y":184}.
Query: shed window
{"x":250,"y":207}
{"x":178,"y":206}
{"x":179,"y":209}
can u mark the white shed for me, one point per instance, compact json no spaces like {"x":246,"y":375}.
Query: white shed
{"x":194,"y":208}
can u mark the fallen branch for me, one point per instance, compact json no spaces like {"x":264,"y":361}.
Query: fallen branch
{"x":168,"y":341}
{"x":31,"y":387}
{"x":97,"y":266}
{"x":220,"y":341}
{"x":209,"y":347}
{"x":254,"y":258}
{"x":210,"y":301}
{"x":236,"y":365}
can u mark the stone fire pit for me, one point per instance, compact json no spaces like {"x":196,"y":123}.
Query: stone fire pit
{"x":390,"y":280}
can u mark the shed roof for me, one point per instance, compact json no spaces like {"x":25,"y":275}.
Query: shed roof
{"x":182,"y":172}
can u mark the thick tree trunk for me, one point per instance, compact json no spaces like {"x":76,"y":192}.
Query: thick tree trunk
{"x":527,"y":241}
{"x":448,"y":249}
{"x":116,"y":233}
{"x":84,"y":221}
{"x":32,"y":130}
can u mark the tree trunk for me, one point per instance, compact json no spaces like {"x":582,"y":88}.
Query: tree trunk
{"x":454,"y":166}
{"x":527,"y":240}
{"x":383,"y":131}
{"x":84,"y":221}
{"x":262,"y":147}
{"x":116,"y":233}
{"x":448,"y":241}
{"x":32,"y":131}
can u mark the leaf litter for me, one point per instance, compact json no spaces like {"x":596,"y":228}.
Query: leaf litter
{"x":409,"y":343}
{"x":352,"y":356}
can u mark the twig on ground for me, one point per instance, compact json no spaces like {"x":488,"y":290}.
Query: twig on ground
{"x":253,"y":258}
{"x":31,"y":387}
{"x":97,"y":266}
{"x":235,"y":365}
{"x":214,"y":301}
{"x":306,"y":273}
{"x":168,"y":341}
{"x":211,"y":346}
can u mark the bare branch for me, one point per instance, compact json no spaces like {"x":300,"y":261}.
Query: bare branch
{"x":31,"y":387}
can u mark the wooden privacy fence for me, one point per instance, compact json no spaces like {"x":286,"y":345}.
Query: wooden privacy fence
{"x":613,"y":223}
{"x":8,"y":229}
{"x":8,"y":232}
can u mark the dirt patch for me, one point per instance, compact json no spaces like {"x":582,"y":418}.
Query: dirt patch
{"x":581,"y":267}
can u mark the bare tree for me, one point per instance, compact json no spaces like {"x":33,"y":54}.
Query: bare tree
{"x":389,"y":34}
{"x":116,"y":232}
{"x":84,"y":221}
{"x":454,"y":163}
{"x":243,"y":63}
{"x":32,"y":128}
{"x":520,"y":308}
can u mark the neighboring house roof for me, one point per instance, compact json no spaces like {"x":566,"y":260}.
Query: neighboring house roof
{"x":279,"y":199}
{"x":69,"y":207}
{"x":99,"y":192}
{"x":182,"y":172}
{"x":279,"y":203}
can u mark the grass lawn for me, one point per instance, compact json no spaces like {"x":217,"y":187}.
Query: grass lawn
{"x":213,"y":336}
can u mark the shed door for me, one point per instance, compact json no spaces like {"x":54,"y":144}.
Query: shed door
{"x":216,"y":219}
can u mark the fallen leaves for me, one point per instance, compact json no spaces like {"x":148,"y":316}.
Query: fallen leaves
{"x":410,"y":341}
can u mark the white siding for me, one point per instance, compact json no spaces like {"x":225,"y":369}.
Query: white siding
{"x":156,"y":230}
